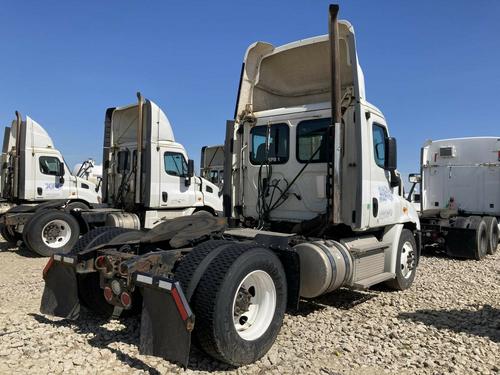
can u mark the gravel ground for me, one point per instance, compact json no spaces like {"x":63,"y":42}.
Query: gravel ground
{"x":448,"y":322}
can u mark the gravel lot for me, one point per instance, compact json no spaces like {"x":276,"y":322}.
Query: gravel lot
{"x":448,"y":322}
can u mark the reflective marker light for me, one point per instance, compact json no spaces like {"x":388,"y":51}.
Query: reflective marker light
{"x":108,"y":293}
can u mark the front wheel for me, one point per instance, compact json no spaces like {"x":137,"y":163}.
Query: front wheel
{"x":239,"y":304}
{"x":51,"y":231}
{"x":406,"y":262}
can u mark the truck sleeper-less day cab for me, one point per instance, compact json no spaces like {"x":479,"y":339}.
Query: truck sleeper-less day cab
{"x":139,"y":189}
{"x":212,"y":164}
{"x":313,"y":202}
{"x":459,"y":199}
{"x":34,"y":171}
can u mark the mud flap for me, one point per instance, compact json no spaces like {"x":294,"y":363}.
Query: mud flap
{"x":60,"y":295}
{"x":461,"y":242}
{"x":167,"y":320}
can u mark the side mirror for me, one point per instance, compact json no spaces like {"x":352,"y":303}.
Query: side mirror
{"x":190,"y":168}
{"x":414,"y":178}
{"x":391,"y":156}
{"x":190,"y":172}
{"x":61,"y":172}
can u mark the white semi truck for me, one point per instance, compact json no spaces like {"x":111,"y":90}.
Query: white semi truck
{"x":212,"y":164}
{"x":459,"y":198}
{"x":33,"y":171}
{"x":312,"y":200}
{"x":147,"y":179}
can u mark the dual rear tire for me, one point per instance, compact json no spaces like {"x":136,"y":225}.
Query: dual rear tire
{"x":239,"y":301}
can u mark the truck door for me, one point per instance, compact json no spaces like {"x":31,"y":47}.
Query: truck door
{"x":47,"y":183}
{"x":383,"y":202}
{"x":173,"y":171}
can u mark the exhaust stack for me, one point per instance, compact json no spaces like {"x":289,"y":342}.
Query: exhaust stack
{"x":335,"y":130}
{"x":138,"y":161}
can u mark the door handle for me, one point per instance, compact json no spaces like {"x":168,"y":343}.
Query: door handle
{"x":375,"y":207}
{"x":164,"y":196}
{"x":39,"y":190}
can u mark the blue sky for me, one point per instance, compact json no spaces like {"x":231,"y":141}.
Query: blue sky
{"x":431,"y":66}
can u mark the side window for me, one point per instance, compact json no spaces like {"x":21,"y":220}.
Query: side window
{"x":123,"y":162}
{"x":175,"y":164}
{"x":379,"y":136}
{"x":270,"y":143}
{"x":49,"y":165}
{"x":214,"y":177}
{"x":311,"y":140}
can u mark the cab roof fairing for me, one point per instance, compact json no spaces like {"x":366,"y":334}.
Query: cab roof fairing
{"x":124,"y":122}
{"x":296,"y":73}
{"x":36,"y":135}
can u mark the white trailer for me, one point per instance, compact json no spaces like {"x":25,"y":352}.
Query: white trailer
{"x":459,"y":196}
{"x":212,"y":164}
{"x":147,"y":180}
{"x":33,"y":171}
{"x":312,"y":199}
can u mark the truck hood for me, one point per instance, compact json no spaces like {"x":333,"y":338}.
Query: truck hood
{"x":297,"y":73}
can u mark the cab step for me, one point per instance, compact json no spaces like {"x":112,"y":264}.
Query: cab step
{"x":370,"y":281}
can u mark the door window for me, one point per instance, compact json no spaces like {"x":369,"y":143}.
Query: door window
{"x":269,"y":144}
{"x":311,"y":136}
{"x":175,"y":164}
{"x":379,"y":136}
{"x":49,"y":165}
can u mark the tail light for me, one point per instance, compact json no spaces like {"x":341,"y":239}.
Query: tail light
{"x":125,"y":299}
{"x":100,"y":261}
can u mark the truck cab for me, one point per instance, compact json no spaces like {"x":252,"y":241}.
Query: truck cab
{"x":162,"y":183}
{"x":212,"y":164}
{"x":283,"y":118}
{"x":33,"y":170}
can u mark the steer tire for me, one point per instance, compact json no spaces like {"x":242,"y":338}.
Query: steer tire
{"x":493,"y":233}
{"x":9,"y":234}
{"x":89,"y":290}
{"x":33,"y":233}
{"x":481,"y":237}
{"x":406,"y":243}
{"x":215,"y":295}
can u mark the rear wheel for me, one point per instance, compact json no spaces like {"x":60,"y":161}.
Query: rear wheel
{"x":239,"y":304}
{"x":51,"y":231}
{"x":406,"y":262}
{"x":9,"y":234}
{"x":493,"y":233}
{"x":481,"y":238}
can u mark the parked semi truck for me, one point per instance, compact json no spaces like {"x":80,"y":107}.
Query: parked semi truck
{"x":33,"y":171}
{"x":89,"y":170}
{"x":147,"y":179}
{"x":459,"y":199}
{"x":212,"y":164}
{"x":312,"y":201}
